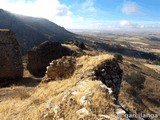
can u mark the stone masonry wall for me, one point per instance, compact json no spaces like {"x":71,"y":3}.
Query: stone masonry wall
{"x":61,"y":68}
{"x":10,"y":58}
{"x":110,"y":74}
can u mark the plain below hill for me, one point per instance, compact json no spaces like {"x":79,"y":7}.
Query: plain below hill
{"x":31,"y":31}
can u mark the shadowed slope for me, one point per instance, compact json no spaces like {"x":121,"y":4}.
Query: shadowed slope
{"x":32,"y":31}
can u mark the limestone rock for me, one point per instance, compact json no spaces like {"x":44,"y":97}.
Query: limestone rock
{"x":120,"y":112}
{"x":82,"y":112}
{"x":83,"y":100}
{"x":104,"y":117}
{"x":40,"y":57}
{"x":10,"y":58}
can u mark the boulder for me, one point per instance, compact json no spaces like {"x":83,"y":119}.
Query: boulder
{"x":10,"y":58}
{"x":40,"y":57}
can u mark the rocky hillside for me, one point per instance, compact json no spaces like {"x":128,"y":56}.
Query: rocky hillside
{"x":86,"y":85}
{"x":32,"y":31}
{"x":77,"y":96}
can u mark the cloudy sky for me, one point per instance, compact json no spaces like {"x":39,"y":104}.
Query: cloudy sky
{"x":91,"y":14}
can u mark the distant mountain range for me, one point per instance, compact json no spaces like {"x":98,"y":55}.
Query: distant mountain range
{"x":31,"y":31}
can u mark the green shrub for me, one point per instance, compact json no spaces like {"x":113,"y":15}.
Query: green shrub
{"x":119,"y":57}
{"x":135,"y":79}
{"x":156,"y":62}
{"x":82,"y":45}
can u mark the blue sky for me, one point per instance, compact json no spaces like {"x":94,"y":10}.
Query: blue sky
{"x":91,"y":14}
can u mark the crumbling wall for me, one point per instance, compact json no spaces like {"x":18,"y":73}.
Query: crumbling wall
{"x":40,"y":57}
{"x":81,"y":97}
{"x":61,"y":68}
{"x":10,"y":58}
{"x":110,"y":74}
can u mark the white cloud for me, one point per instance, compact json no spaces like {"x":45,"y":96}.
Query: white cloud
{"x":89,"y":6}
{"x":130,"y":8}
{"x":81,"y":19}
{"x":49,"y":9}
{"x":127,"y":24}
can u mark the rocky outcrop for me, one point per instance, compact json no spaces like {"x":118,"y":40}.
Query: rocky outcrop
{"x":10,"y":58}
{"x":40,"y":57}
{"x":110,"y":74}
{"x":61,"y":68}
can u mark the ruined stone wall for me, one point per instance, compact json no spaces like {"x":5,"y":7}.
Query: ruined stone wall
{"x":83,"y":92}
{"x":40,"y":57}
{"x":61,"y":68}
{"x":10,"y":58}
{"x":110,"y":74}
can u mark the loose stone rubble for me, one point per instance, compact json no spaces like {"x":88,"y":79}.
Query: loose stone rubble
{"x":82,"y":112}
{"x":61,"y":68}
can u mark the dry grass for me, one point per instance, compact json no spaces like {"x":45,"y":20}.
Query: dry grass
{"x":150,"y":94}
{"x":40,"y":103}
{"x":154,"y":67}
{"x":131,"y":99}
{"x":71,"y":47}
{"x":128,"y":39}
{"x":155,"y":50}
{"x":26,"y":73}
{"x":145,"y":100}
{"x":23,"y":103}
{"x":80,"y":51}
{"x":139,"y":43}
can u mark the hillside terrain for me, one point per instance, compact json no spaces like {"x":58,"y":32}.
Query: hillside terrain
{"x":136,"y":44}
{"x":32,"y":31}
{"x":78,"y":95}
{"x":106,"y":77}
{"x":79,"y":60}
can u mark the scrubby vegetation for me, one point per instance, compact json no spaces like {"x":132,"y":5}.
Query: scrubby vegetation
{"x":126,"y":51}
{"x":156,"y":62}
{"x":135,"y":79}
{"x":119,"y":57}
